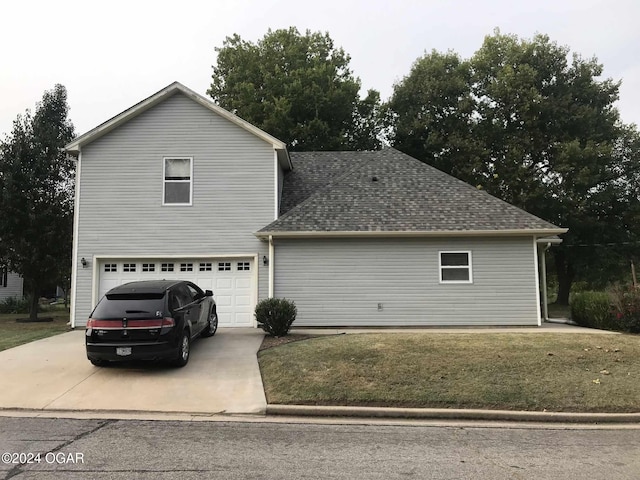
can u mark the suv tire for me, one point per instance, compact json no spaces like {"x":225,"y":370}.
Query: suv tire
{"x":212,"y":325}
{"x":184,"y":350}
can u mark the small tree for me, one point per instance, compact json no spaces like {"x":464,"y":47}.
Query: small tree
{"x":275,"y":315}
{"x":36,"y":194}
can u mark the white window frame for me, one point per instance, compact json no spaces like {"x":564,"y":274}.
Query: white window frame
{"x":164,"y":181}
{"x":446,"y":267}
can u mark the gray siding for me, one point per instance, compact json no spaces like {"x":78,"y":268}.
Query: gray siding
{"x":121,"y":188}
{"x":14,"y":287}
{"x":339,"y":282}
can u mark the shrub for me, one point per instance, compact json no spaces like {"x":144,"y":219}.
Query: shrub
{"x":593,"y":309}
{"x":15,"y":305}
{"x":275,"y":315}
{"x":626,"y":302}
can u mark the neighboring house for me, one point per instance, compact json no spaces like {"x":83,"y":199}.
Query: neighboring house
{"x":177,"y":187}
{"x":11,"y":284}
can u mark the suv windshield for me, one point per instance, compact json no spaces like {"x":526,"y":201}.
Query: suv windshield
{"x":138,"y":305}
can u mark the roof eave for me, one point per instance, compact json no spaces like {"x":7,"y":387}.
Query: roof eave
{"x":437,"y":233}
{"x":104,"y":128}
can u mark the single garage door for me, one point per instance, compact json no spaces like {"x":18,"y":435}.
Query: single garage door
{"x":231,"y":279}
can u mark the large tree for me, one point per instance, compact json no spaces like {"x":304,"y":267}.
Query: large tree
{"x":298,"y":88}
{"x":36,"y":195}
{"x":532,"y":125}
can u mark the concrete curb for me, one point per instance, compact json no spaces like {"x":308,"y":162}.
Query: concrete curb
{"x":451,"y":414}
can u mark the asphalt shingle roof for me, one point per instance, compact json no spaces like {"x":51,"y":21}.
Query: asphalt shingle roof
{"x":387,"y":191}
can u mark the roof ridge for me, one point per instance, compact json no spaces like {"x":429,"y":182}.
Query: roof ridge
{"x":324,"y":189}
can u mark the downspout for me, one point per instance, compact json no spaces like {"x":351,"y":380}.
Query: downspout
{"x":543,"y":273}
{"x":271,"y":266}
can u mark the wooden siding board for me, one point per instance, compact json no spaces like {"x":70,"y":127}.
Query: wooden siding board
{"x":121,"y":211}
{"x":343,"y":280}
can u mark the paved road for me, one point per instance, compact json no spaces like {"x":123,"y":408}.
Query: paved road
{"x":125,"y":449}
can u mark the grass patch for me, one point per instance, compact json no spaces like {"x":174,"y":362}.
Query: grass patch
{"x":13,"y":333}
{"x":556,"y":372}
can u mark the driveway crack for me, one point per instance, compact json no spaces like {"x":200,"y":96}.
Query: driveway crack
{"x":69,"y":389}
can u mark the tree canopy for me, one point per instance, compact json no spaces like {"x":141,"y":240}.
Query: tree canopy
{"x":298,"y":88}
{"x":36,"y":194}
{"x":533,"y":125}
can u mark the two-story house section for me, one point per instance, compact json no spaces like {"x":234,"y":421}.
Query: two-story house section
{"x":175,"y":187}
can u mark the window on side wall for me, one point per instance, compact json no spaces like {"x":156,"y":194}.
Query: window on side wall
{"x":456,"y":267}
{"x":177,"y":180}
{"x":4,"y":274}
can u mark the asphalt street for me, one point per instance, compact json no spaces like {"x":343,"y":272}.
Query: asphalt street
{"x":47,"y":448}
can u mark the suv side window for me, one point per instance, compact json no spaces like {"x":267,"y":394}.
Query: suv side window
{"x":184,"y":295}
{"x":195,"y":291}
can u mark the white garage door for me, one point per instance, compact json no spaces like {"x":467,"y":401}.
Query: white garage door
{"x":231,"y":279}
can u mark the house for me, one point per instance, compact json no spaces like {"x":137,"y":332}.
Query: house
{"x":177,"y":187}
{"x":11,"y":284}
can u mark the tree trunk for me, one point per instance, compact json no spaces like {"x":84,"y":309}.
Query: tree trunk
{"x":565,"y":273}
{"x":33,"y":311}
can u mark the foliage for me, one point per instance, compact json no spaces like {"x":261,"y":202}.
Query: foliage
{"x":15,"y":305}
{"x":536,"y":128}
{"x":592,"y":309}
{"x":275,"y":315}
{"x":298,"y":88}
{"x":627,"y":308}
{"x":36,"y":193}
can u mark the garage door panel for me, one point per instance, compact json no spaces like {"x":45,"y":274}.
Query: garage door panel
{"x":233,"y":288}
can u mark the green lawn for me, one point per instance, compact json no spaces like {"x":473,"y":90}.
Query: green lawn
{"x":13,"y":333}
{"x":515,"y":371}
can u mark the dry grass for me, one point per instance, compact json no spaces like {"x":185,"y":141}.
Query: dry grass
{"x":13,"y":333}
{"x":556,"y":372}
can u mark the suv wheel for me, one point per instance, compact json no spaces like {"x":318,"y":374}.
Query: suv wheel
{"x":212,"y":325}
{"x":183,"y":350}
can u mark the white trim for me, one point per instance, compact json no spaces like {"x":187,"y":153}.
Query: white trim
{"x":256,"y":283}
{"x":469,"y":267}
{"x":276,"y":196}
{"x":536,"y":263}
{"x":164,"y":181}
{"x":74,"y":255}
{"x":167,"y":92}
{"x":436,"y":233}
{"x":272,"y":253}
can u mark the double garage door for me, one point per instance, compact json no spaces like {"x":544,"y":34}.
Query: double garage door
{"x":231,"y":279}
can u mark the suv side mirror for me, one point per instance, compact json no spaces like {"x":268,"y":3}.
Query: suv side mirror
{"x":208,"y":293}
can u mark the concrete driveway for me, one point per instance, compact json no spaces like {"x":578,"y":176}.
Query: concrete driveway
{"x":222,"y":376}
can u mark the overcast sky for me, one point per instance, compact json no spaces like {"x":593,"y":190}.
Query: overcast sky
{"x":110,"y":55}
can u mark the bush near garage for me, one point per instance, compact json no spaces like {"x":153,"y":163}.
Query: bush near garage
{"x":593,"y":309}
{"x":275,"y":315}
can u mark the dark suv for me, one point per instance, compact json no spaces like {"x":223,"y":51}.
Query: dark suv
{"x":150,"y":320}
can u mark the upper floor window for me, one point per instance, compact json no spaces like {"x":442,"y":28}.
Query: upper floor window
{"x":178,"y":175}
{"x":455,"y":267}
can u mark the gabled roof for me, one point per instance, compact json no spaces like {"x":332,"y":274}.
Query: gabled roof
{"x":167,"y":92}
{"x":387,"y":192}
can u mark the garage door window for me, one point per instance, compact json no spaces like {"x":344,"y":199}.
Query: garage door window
{"x":186,"y":267}
{"x":148,"y":267}
{"x":205,"y":267}
{"x":129,"y":267}
{"x":110,"y":267}
{"x":167,"y":267}
{"x":243,"y":266}
{"x":455,"y":267}
{"x":178,"y":173}
{"x":224,"y":266}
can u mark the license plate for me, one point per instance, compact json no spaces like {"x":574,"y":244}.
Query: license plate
{"x":123,"y":351}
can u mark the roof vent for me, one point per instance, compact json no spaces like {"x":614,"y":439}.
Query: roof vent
{"x":374,"y":179}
